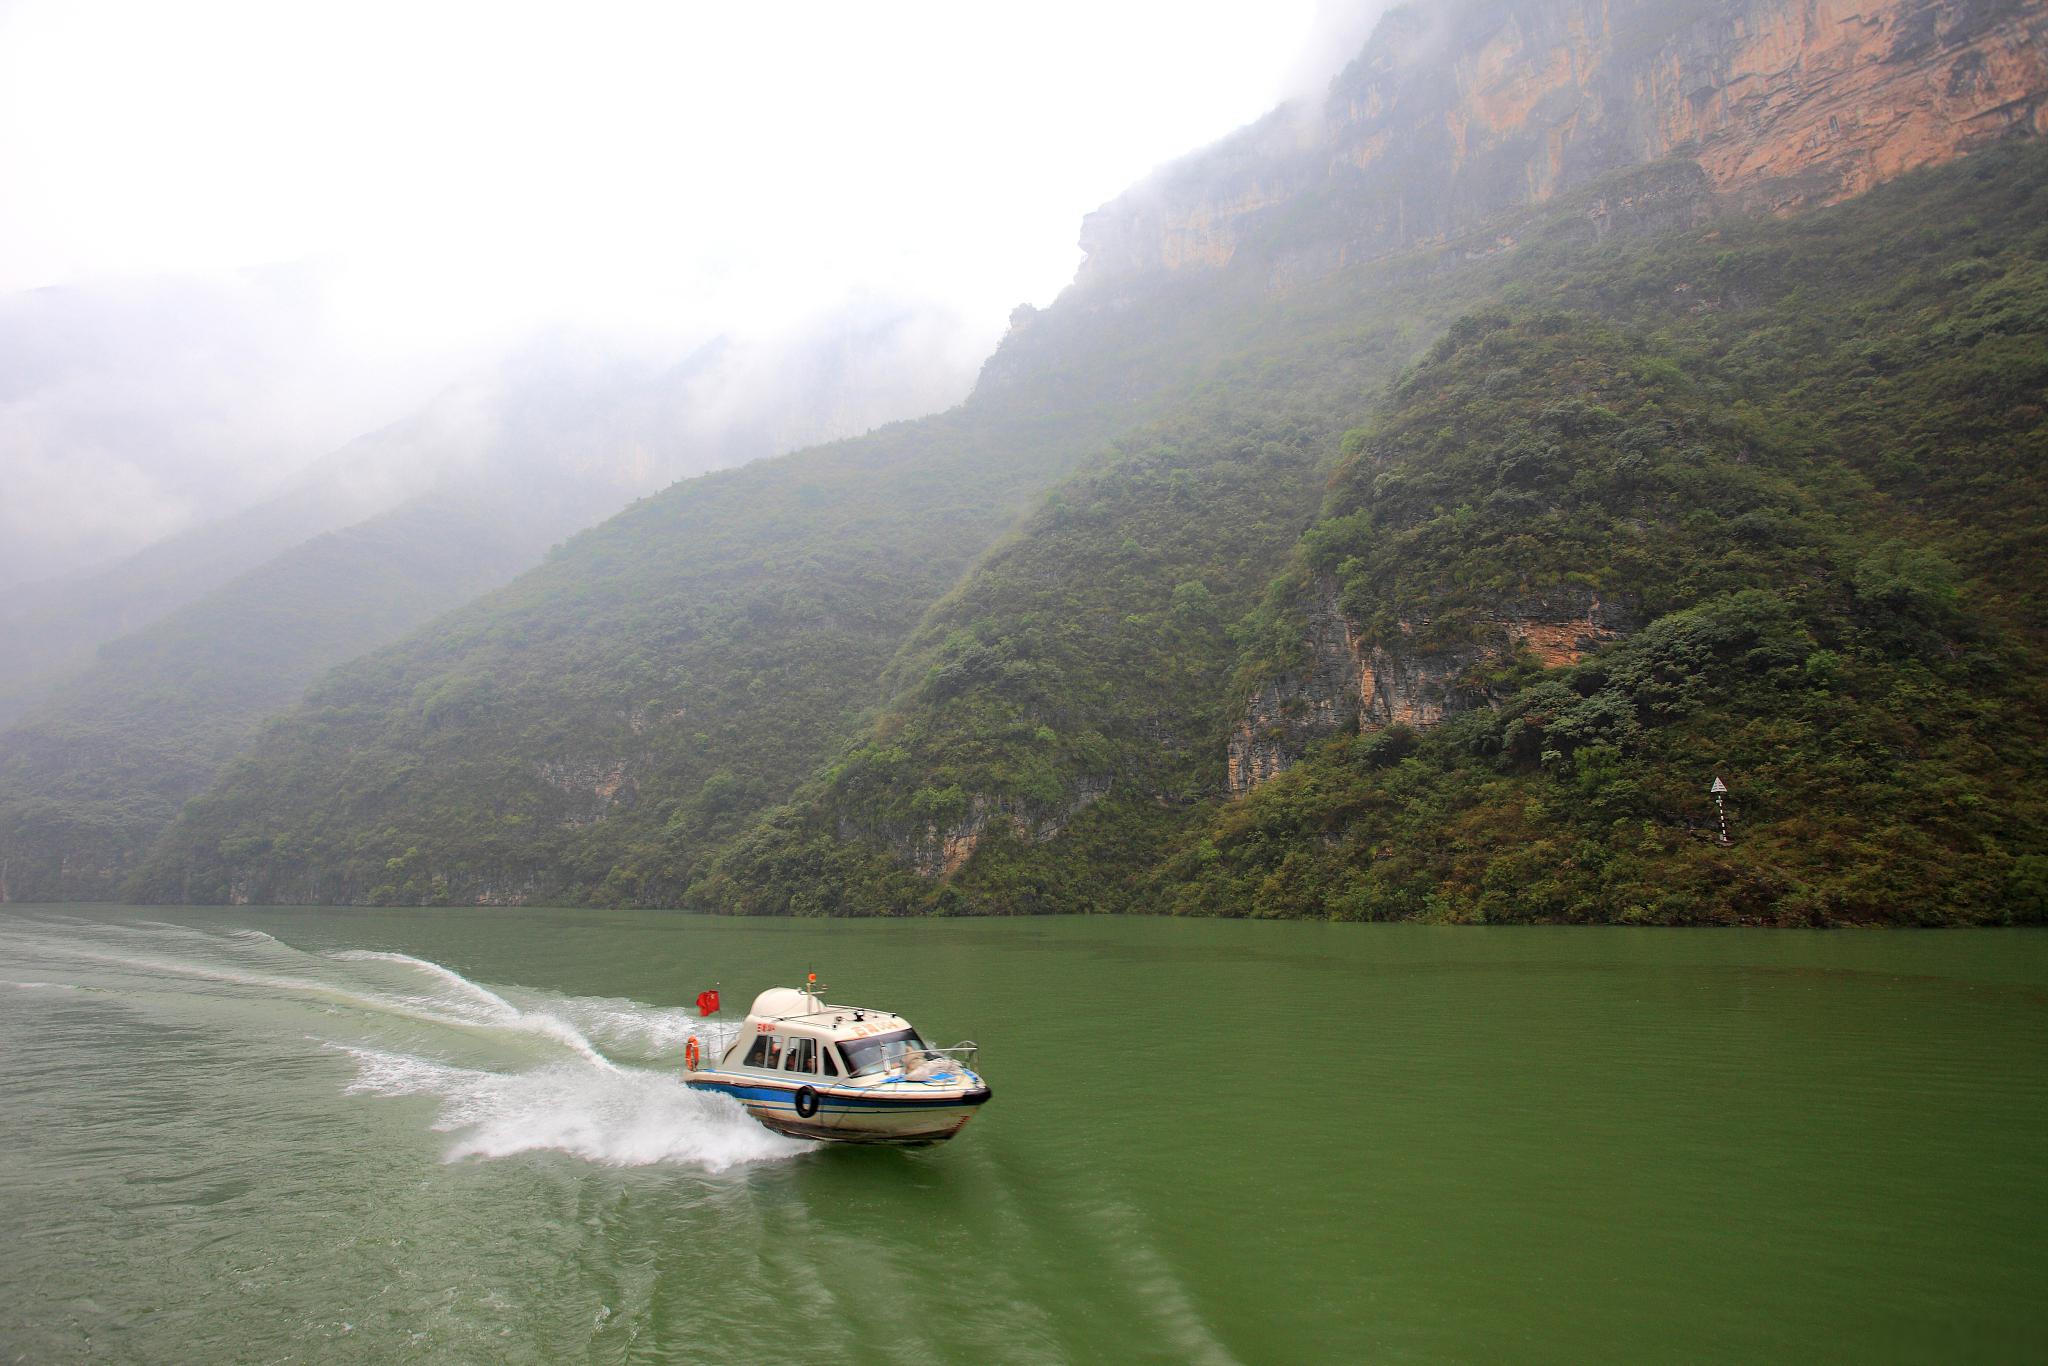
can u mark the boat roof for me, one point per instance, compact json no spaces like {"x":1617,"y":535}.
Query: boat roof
{"x":788,"y":1006}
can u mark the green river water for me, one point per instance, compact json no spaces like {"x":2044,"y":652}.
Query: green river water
{"x":453,"y":1136}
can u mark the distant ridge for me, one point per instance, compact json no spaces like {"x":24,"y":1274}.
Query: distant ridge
{"x":1676,"y":481}
{"x":132,"y":687}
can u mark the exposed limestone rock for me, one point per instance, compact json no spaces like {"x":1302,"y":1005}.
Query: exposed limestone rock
{"x":1459,"y":113}
{"x":1558,"y":643}
{"x":504,"y":893}
{"x":940,"y":850}
{"x":590,"y":789}
{"x":1290,"y":713}
{"x":1344,"y":686}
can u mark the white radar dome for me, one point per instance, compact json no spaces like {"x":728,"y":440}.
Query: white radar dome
{"x":778,"y":1003}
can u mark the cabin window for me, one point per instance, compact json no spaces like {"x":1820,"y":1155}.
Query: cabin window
{"x":880,"y":1052}
{"x":831,"y":1067}
{"x":757,"y":1056}
{"x":802,"y":1056}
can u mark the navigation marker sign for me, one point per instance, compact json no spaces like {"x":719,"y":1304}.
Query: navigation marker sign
{"x":1720,"y":789}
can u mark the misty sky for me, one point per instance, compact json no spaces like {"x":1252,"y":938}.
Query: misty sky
{"x":421,"y":182}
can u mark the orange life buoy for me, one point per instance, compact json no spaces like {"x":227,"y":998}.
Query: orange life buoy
{"x":692,"y":1054}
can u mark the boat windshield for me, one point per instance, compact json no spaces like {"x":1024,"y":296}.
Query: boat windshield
{"x":879,"y":1052}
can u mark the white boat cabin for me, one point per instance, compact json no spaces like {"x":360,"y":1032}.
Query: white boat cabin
{"x":793,"y":1033}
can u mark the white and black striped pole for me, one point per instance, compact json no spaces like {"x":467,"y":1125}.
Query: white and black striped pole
{"x":1720,"y":790}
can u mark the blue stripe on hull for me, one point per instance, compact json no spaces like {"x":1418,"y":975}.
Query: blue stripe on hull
{"x":842,"y":1118}
{"x":783,"y":1097}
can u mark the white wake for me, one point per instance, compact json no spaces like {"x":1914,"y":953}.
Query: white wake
{"x":629,"y":1117}
{"x":514,"y":1069}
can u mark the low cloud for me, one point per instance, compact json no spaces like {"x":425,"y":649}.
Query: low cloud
{"x":1337,"y":34}
{"x":130,"y":408}
{"x":460,"y":179}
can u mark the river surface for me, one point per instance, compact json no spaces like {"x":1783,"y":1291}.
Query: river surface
{"x":459,"y":1136}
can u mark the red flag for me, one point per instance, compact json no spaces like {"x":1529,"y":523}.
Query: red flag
{"x":707,"y":1002}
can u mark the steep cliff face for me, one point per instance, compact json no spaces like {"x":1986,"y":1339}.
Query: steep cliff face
{"x":1345,"y":684}
{"x":939,"y":849}
{"x":1456,"y":114}
{"x":590,"y":789}
{"x":1288,"y":714}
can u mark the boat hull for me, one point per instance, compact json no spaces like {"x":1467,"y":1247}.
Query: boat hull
{"x":849,"y":1115}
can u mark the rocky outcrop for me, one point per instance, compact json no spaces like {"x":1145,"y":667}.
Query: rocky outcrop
{"x":589,"y":790}
{"x":939,"y":850}
{"x":1343,"y":685}
{"x":1289,"y":713}
{"x":1456,"y":114}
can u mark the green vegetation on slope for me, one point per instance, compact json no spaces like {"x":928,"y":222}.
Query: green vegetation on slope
{"x":594,"y":730}
{"x":1823,"y":484}
{"x":1089,"y":649}
{"x":91,"y":777}
{"x":606,"y":725}
{"x":1055,"y":717}
{"x":1805,"y":457}
{"x":1799,"y":458}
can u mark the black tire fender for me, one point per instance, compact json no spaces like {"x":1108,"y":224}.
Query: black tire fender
{"x":806,"y":1102}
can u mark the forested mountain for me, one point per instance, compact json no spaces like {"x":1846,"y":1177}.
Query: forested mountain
{"x":1761,"y":500}
{"x":88,"y":780}
{"x":669,"y":673}
{"x":571,"y":424}
{"x":210,"y":632}
{"x":1588,"y":558}
{"x":1416,"y":501}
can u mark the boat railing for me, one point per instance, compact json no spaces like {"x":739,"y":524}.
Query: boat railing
{"x":964,"y":1054}
{"x":714,"y":1037}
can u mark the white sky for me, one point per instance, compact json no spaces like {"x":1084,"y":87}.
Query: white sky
{"x":470,"y":166}
{"x":287,"y":223}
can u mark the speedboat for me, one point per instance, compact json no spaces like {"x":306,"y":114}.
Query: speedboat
{"x":845,"y":1074}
